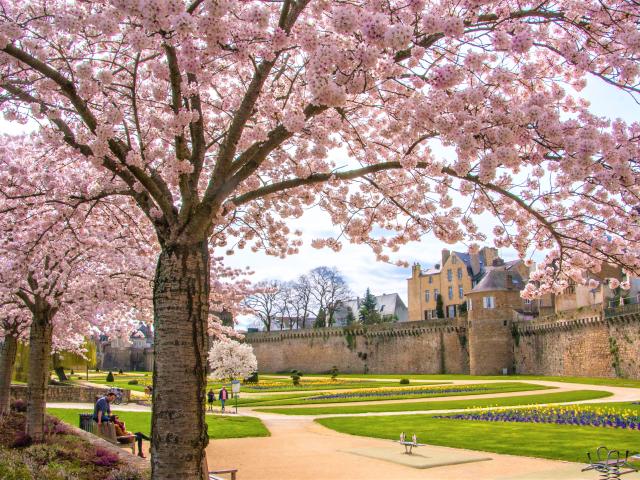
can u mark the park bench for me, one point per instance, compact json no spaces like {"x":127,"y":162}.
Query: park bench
{"x":611,"y":463}
{"x":106,"y":431}
{"x":214,"y":475}
{"x":409,"y":445}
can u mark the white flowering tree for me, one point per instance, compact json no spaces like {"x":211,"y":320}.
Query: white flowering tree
{"x":232,"y":360}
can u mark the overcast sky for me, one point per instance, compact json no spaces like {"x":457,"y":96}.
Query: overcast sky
{"x":356,"y":262}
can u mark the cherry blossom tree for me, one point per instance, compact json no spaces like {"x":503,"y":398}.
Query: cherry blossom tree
{"x":67,"y":258}
{"x":14,"y":323}
{"x":230,"y":360}
{"x":217,"y":117}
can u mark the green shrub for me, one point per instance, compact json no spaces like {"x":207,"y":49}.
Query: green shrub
{"x":334,"y":372}
{"x":253,"y":378}
{"x":404,"y":381}
{"x":295,"y":377}
{"x":110,"y":377}
{"x":120,"y":372}
{"x":133,"y":382}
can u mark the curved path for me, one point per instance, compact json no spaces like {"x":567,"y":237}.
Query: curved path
{"x":300,"y":449}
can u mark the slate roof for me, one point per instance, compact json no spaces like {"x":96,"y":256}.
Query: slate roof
{"x":496,"y":278}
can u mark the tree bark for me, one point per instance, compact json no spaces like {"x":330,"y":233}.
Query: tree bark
{"x":7,"y":361}
{"x":181,"y":303}
{"x":40,"y":336}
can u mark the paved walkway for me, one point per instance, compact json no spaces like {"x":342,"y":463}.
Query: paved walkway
{"x":300,"y":449}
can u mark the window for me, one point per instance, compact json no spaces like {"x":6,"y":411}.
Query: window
{"x":449,"y":275}
{"x":450,"y":293}
{"x":454,"y":259}
{"x":430,"y":279}
{"x":427,"y":295}
{"x":427,"y":314}
{"x":489,"y":302}
{"x":469,"y":304}
{"x":436,"y":292}
{"x":527,"y":301}
{"x":382,"y":308}
{"x":459,"y":273}
{"x":460,"y":292}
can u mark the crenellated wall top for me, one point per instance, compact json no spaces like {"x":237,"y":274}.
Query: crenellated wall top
{"x":456,"y":325}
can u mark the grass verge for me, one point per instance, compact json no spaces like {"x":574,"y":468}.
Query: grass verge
{"x":559,"y":397}
{"x":556,"y":442}
{"x":369,"y":396}
{"x":225,"y":426}
{"x":611,"y":382}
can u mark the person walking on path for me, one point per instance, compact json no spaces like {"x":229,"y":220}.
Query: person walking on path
{"x":223,"y":397}
{"x":211,"y":398}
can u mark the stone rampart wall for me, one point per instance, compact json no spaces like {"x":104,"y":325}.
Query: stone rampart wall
{"x":591,"y":347}
{"x":408,"y":347}
{"x":582,"y":346}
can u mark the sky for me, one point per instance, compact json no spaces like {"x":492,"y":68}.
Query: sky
{"x":356,"y":262}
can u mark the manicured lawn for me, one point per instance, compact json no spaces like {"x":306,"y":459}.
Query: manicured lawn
{"x":558,"y":442}
{"x":310,"y":384}
{"x":612,"y":382}
{"x":551,"y":397}
{"x":383,"y":394}
{"x":227,"y":426}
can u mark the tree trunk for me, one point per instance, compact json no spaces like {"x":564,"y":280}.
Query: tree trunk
{"x":40,"y":336}
{"x":7,"y":361}
{"x":181,"y":302}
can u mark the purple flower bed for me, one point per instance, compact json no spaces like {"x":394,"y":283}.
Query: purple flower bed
{"x":394,"y":393}
{"x":560,"y":416}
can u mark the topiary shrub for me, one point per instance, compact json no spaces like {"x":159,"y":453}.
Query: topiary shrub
{"x":295,"y":377}
{"x":110,"y":377}
{"x":404,"y":381}
{"x":133,"y":382}
{"x":253,"y":378}
{"x":334,"y":372}
{"x":120,"y":372}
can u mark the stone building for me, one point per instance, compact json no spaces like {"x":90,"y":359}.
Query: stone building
{"x":457,"y":274}
{"x":389,"y":305}
{"x":132,"y":354}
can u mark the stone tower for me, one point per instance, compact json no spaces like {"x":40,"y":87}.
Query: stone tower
{"x":490,"y":313}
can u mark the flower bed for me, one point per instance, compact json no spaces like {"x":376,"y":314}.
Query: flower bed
{"x":396,"y":392}
{"x":62,"y":455}
{"x":569,"y":415}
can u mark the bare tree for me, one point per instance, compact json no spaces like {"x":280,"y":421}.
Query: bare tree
{"x":328,"y":289}
{"x":265,"y":302}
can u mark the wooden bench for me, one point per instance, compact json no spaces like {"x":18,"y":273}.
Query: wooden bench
{"x":107,"y":431}
{"x":214,"y":475}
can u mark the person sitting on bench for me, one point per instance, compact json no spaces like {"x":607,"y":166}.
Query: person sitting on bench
{"x":121,"y":431}
{"x":102,"y":408}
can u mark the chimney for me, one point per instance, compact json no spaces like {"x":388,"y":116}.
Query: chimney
{"x":416,"y":270}
{"x":445,"y":254}
{"x":487,"y":254}
{"x":475,"y":263}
